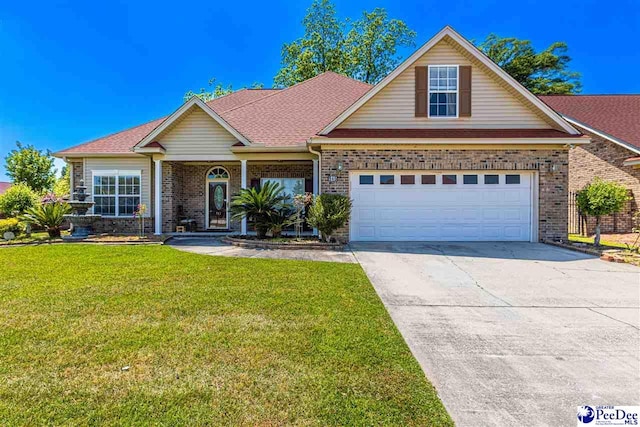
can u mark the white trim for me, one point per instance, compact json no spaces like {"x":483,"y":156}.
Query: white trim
{"x":448,"y":31}
{"x":83,"y":155}
{"x":268,"y":149}
{"x":158,"y":196}
{"x":194,"y":101}
{"x":206,"y":200}
{"x":603,"y":135}
{"x":449,"y":141}
{"x":115,"y":172}
{"x":192,"y":157}
{"x":243,"y":184}
{"x":447,"y":91}
{"x":633,"y":162}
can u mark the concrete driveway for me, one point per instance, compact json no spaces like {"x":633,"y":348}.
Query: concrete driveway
{"x":513,"y":333}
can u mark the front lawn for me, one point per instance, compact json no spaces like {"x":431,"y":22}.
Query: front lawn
{"x":207,"y":341}
{"x":612,"y":243}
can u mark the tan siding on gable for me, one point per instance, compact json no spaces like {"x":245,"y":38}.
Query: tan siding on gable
{"x":142,"y":163}
{"x":199,"y":134}
{"x":492,"y":105}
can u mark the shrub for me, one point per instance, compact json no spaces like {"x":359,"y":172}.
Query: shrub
{"x":328,"y":213}
{"x":279,"y":219}
{"x":600,"y":198}
{"x":48,"y":216}
{"x":10,"y":224}
{"x":17,"y":199}
{"x":258,"y":204}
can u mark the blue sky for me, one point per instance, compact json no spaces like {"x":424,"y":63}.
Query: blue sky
{"x":74,"y":71}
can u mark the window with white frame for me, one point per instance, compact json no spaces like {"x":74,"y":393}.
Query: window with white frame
{"x":292,"y":186}
{"x":116,"y":193}
{"x":443,"y":91}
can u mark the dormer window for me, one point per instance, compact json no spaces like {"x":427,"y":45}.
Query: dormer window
{"x":443,"y":91}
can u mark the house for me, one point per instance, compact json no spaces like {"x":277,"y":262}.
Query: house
{"x":613,"y":124}
{"x":4,"y":186}
{"x":446,"y":147}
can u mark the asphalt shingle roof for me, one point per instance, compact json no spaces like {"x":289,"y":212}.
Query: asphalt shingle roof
{"x":273,"y":117}
{"x":615,"y":115}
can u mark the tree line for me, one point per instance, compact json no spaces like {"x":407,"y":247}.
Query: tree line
{"x":366,"y":49}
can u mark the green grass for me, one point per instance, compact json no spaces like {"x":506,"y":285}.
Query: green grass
{"x":209,"y":341}
{"x":582,"y":239}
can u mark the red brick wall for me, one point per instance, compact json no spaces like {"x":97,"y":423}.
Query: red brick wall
{"x":184,"y":184}
{"x":552,"y":185}
{"x":603,"y":158}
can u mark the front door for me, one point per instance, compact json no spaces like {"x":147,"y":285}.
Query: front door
{"x":218,"y":205}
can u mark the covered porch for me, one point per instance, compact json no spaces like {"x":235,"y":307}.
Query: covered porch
{"x":196,"y":194}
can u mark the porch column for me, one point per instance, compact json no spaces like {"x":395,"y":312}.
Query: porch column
{"x":243,"y":184}
{"x":158,"y":197}
{"x":316,"y":186}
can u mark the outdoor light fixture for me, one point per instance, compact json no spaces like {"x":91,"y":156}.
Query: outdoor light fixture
{"x":340,"y":166}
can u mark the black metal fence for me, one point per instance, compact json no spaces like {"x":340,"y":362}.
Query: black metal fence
{"x":577,"y":221}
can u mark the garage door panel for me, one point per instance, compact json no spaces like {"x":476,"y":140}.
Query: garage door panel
{"x":455,"y":212}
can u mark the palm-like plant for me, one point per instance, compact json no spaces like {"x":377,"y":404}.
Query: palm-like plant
{"x":48,"y":216}
{"x":282,"y":217}
{"x":258,"y":205}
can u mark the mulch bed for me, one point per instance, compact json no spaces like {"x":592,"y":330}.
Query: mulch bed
{"x":281,"y":243}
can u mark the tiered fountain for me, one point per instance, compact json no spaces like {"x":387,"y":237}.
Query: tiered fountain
{"x":81,"y":222}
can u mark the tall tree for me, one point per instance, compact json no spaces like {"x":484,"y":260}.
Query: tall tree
{"x":27,"y":165}
{"x":372,"y":45}
{"x":62,"y":187}
{"x":217,"y":91}
{"x":543,"y":73}
{"x":364,"y":49}
{"x":319,"y":50}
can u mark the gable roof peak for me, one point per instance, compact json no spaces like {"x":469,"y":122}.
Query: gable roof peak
{"x":448,"y":31}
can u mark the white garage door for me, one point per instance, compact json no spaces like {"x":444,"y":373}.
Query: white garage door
{"x":443,"y":206}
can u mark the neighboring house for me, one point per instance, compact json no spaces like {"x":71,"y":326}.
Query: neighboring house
{"x":613,"y":124}
{"x":4,"y":186}
{"x":447,"y":147}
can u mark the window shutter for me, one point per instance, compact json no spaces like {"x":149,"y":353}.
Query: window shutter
{"x":255,"y":183}
{"x":421,"y":91}
{"x":465,"y":91}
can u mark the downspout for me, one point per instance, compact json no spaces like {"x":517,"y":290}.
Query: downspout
{"x":317,"y":153}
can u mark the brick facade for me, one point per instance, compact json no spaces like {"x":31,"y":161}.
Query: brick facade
{"x":553,"y":185}
{"x":184,"y":184}
{"x":604,"y":159}
{"x":77,"y":174}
